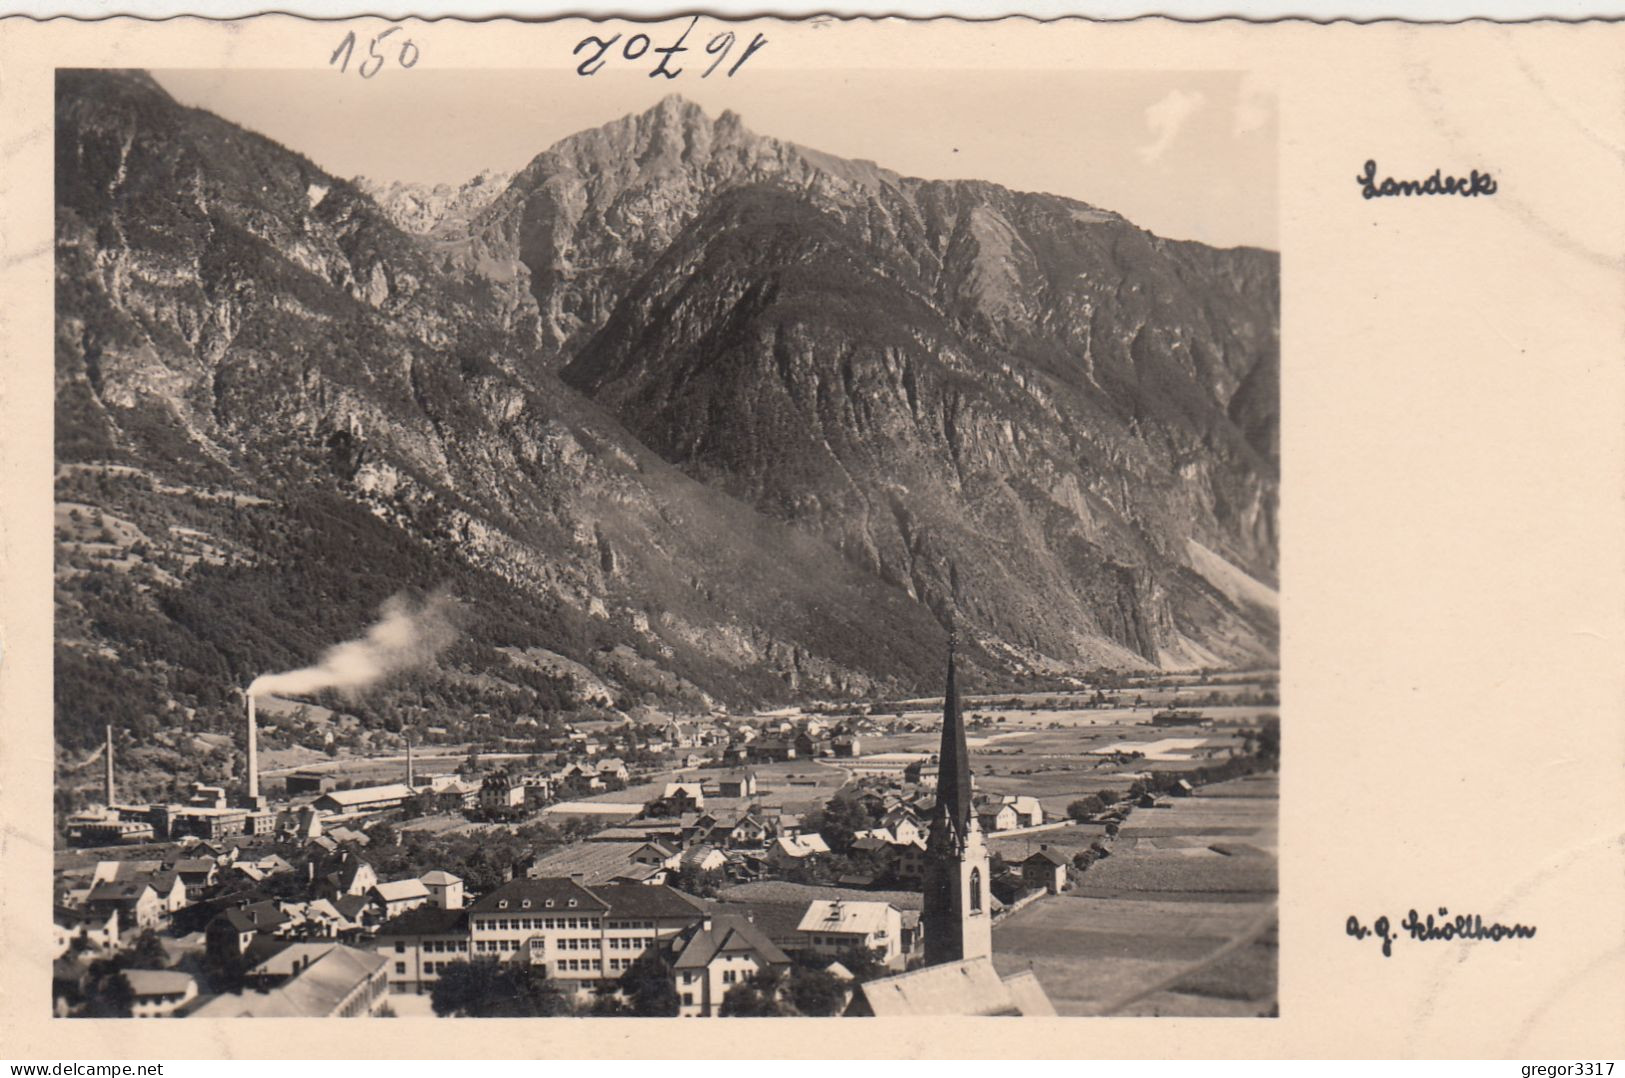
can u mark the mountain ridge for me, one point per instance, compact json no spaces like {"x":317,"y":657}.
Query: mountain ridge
{"x":713,"y":415}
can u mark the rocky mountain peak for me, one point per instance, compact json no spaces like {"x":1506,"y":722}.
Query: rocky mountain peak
{"x":705,"y":411}
{"x":422,"y":208}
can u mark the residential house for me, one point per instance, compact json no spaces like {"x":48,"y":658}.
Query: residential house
{"x":651,"y":853}
{"x":834,"y":926}
{"x":701,"y":859}
{"x":160,"y":875}
{"x":697,"y":827}
{"x":613,"y":768}
{"x":1029,"y":812}
{"x":846,"y":746}
{"x":352,"y":908}
{"x":197,"y":874}
{"x":997,"y":817}
{"x":445,"y":890}
{"x":98,"y":929}
{"x":574,"y":771}
{"x":771,"y":750}
{"x":224,"y":852}
{"x":396,"y":897}
{"x":1045,"y":868}
{"x":904,"y":826}
{"x":173,"y":894}
{"x":877,"y":841}
{"x":789,"y":850}
{"x":715,"y":955}
{"x":134,"y":901}
{"x":737,"y":784}
{"x":811,"y":747}
{"x":748,"y":833}
{"x":683,"y":796}
{"x":908,"y":862}
{"x":159,"y":993}
{"x":502,"y":794}
{"x":261,"y":866}
{"x":299,"y":825}
{"x":353,"y":876}
{"x":231,"y":934}
{"x":321,"y":918}
{"x":916,"y":768}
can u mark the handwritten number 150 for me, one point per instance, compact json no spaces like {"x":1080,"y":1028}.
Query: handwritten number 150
{"x":374,"y":60}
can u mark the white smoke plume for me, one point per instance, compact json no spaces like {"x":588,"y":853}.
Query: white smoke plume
{"x":408,"y":634}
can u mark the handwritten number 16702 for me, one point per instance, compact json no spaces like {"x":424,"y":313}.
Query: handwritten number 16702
{"x":373,"y":62}
{"x":600,"y":51}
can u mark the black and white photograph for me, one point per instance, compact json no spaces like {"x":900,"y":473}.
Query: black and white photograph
{"x":535,"y":545}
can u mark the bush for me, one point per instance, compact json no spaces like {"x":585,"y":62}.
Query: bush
{"x":816,"y":992}
{"x":487,"y":988}
{"x":755,"y":997}
{"x":1085,"y":807}
{"x":648,"y":985}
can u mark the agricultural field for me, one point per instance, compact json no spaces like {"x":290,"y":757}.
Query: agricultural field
{"x":797,"y":785}
{"x":1179,"y":920}
{"x":1048,"y":745}
{"x":1064,"y":840}
{"x":1058,"y":766}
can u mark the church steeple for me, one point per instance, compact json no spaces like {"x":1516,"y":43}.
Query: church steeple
{"x":957,"y":916}
{"x":953,"y":758}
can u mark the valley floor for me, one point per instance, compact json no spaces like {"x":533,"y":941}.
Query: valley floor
{"x":1180,"y":921}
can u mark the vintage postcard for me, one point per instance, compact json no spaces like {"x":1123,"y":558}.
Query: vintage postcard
{"x":899,"y":523}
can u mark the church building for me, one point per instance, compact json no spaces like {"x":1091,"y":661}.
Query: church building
{"x":958,"y":977}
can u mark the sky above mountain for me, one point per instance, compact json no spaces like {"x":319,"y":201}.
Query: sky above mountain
{"x":1189,"y":155}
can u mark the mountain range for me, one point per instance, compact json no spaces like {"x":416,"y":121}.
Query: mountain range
{"x":710,"y":415}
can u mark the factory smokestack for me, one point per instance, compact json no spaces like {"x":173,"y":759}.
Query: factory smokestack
{"x":253,"y":754}
{"x":109,"y":765}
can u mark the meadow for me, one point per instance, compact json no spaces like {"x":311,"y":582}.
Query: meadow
{"x":1178,"y":920}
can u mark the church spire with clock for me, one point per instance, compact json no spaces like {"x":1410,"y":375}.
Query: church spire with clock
{"x":957,"y":919}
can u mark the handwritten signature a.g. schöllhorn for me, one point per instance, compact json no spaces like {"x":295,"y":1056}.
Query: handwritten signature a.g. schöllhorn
{"x":1463,"y":926}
